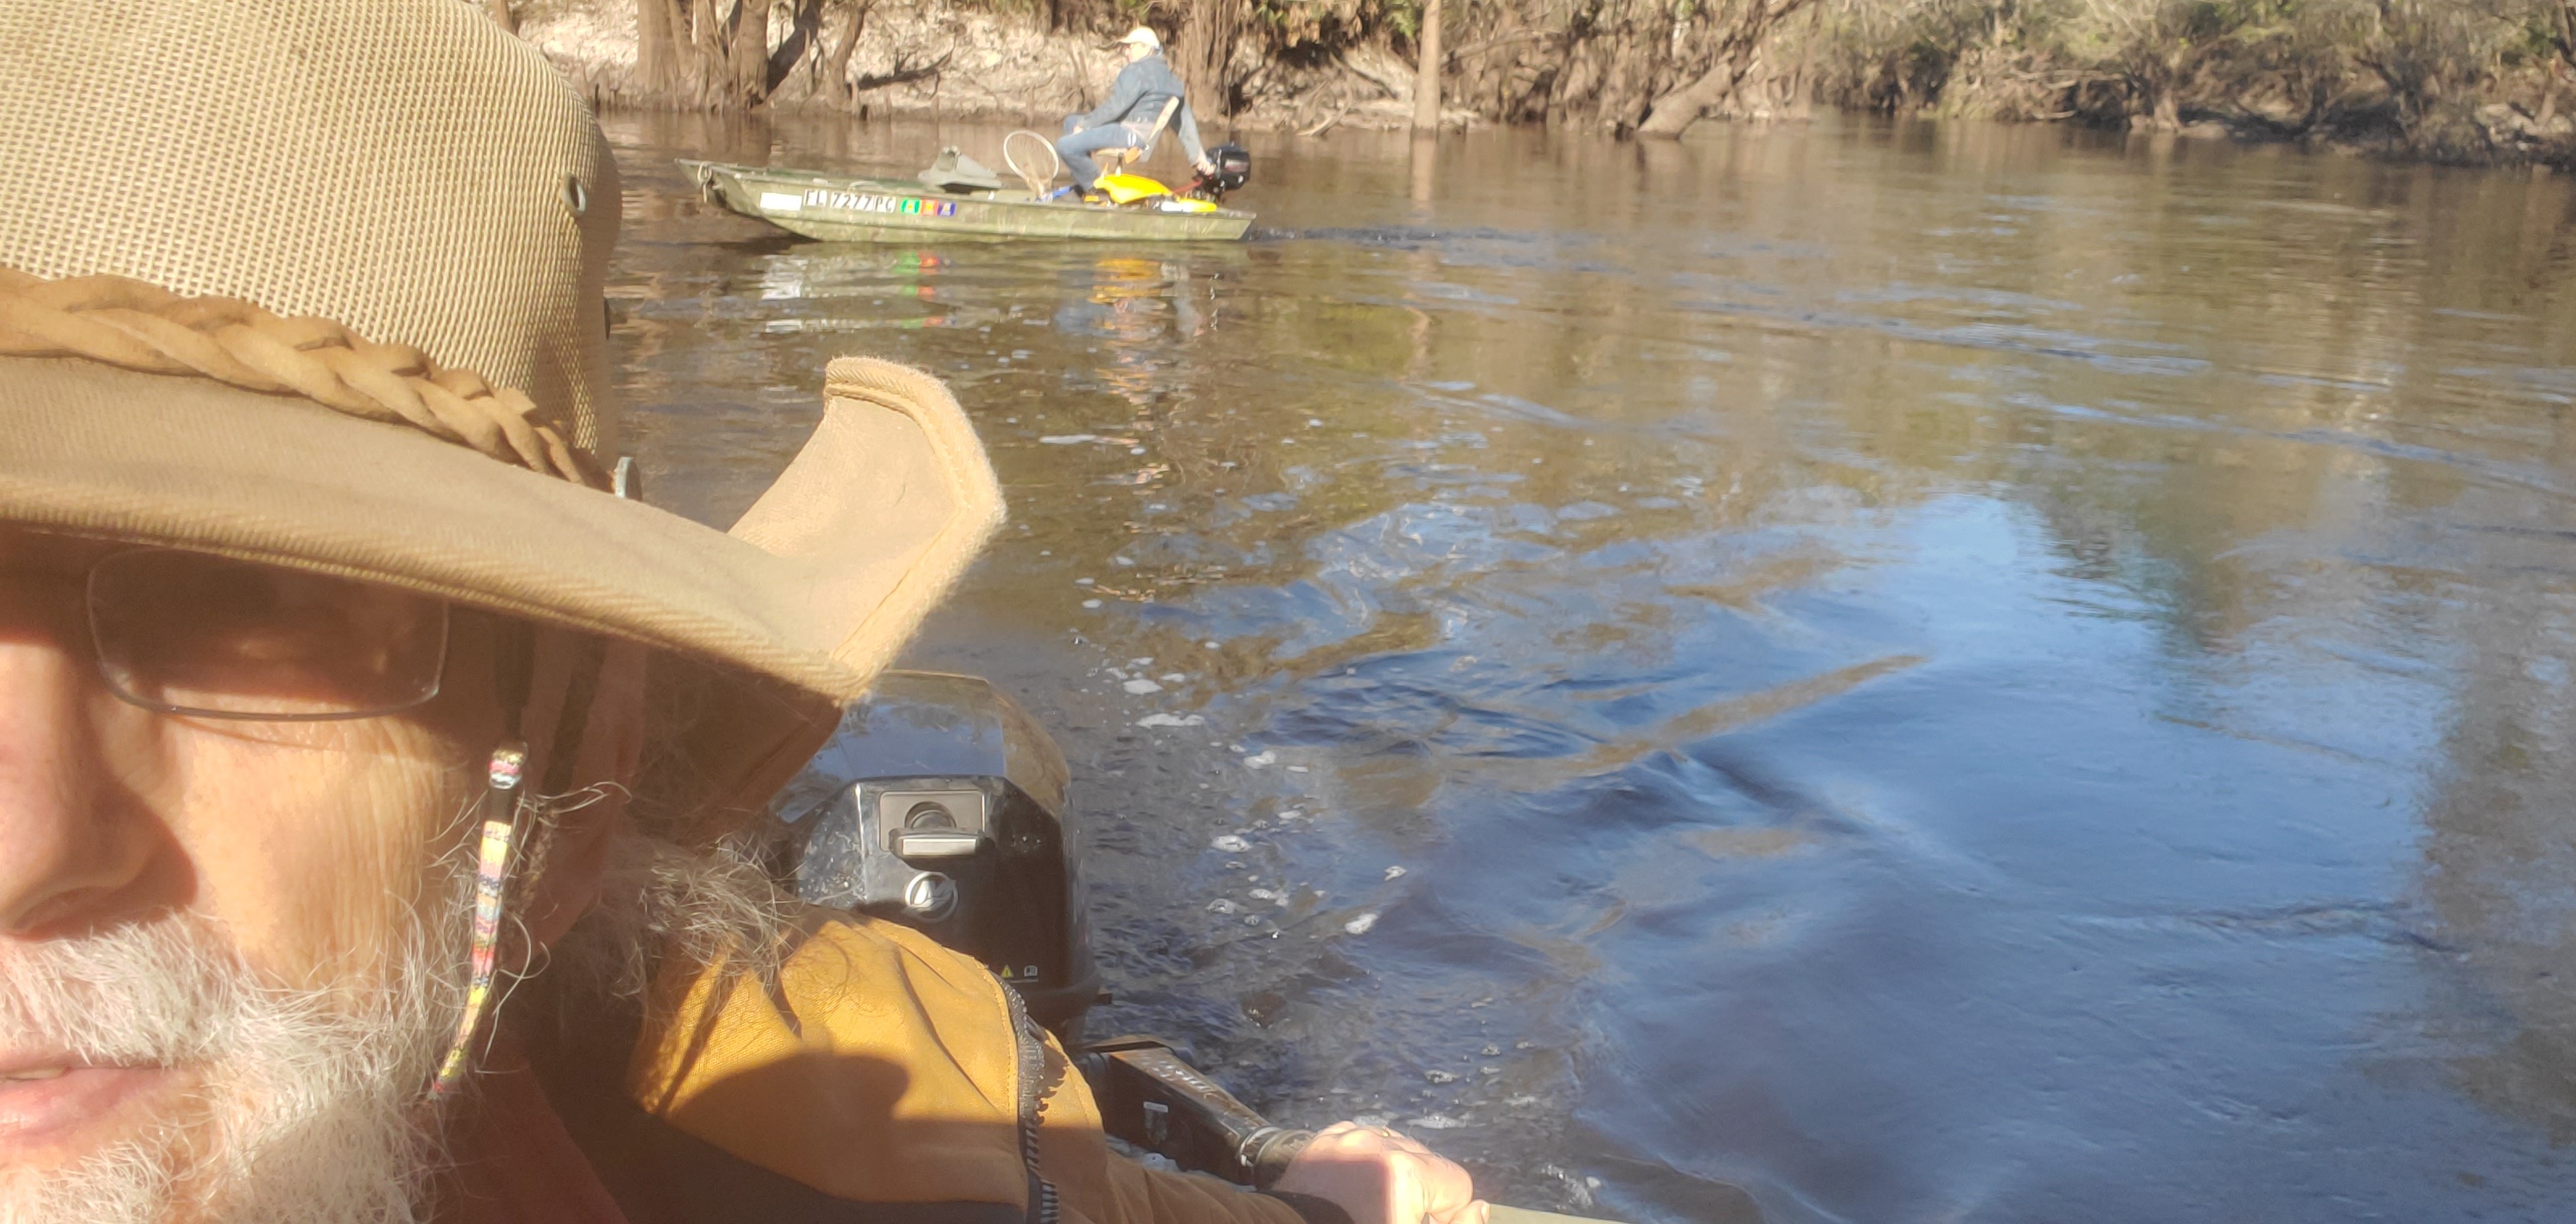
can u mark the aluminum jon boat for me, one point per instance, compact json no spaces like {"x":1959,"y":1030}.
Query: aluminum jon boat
{"x":844,"y":208}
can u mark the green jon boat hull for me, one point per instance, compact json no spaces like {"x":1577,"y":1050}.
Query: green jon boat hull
{"x":841,"y":208}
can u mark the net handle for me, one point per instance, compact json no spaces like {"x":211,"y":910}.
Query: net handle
{"x":1055,"y":165}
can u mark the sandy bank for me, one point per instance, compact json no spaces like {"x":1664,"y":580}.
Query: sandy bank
{"x":939,"y":61}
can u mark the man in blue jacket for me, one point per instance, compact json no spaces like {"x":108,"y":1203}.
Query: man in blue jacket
{"x":1126,"y":120}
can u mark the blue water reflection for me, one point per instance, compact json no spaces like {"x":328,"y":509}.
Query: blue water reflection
{"x":1925,"y":674}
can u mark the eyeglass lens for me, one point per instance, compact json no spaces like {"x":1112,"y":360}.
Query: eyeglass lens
{"x":190,"y":633}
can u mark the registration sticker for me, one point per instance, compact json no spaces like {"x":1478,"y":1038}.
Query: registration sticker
{"x":780,"y":201}
{"x":854,"y":201}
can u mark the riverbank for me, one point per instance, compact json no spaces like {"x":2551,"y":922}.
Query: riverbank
{"x":943,"y":61}
{"x":2489,"y":83}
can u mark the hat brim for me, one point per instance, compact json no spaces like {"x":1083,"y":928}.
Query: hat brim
{"x":814,"y":589}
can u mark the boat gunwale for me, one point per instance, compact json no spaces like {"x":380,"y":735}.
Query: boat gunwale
{"x":919,"y":189}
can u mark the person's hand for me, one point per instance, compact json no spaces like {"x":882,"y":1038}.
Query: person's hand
{"x":1207,"y":168}
{"x":1381,"y":1177}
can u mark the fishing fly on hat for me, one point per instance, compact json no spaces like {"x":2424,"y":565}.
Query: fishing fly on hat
{"x":318,"y":283}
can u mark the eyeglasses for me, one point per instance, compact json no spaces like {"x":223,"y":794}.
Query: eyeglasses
{"x":194,"y":634}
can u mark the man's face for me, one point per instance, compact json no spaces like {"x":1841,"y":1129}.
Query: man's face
{"x":292,"y":877}
{"x":1137,"y":51}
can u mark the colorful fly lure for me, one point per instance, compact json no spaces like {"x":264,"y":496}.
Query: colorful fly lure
{"x":491,"y":881}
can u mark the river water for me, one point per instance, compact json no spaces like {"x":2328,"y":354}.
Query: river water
{"x":1874,"y":673}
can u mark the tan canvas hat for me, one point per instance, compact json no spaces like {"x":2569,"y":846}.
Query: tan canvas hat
{"x":318,"y":282}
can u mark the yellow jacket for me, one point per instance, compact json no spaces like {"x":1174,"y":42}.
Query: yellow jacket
{"x":881,"y":1067}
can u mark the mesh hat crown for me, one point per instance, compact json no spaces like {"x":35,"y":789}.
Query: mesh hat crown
{"x":318,"y":283}
{"x":391,"y":167}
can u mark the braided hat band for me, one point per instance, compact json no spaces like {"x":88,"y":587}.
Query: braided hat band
{"x":140,"y":326}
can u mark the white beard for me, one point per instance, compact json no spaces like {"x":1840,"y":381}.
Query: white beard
{"x":308,"y":1105}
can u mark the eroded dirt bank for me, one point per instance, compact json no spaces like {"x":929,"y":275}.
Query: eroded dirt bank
{"x":2489,"y":82}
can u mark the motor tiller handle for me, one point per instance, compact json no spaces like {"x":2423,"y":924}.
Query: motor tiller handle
{"x":1272,"y":1156}
{"x":1496,"y":1213}
{"x":1151,"y":1098}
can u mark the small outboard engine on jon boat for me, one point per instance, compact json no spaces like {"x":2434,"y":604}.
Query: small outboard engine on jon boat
{"x":940,"y":805}
{"x":1233,"y":170}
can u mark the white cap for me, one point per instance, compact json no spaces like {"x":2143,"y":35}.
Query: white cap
{"x":1145,"y":37}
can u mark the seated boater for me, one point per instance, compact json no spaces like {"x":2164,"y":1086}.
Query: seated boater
{"x":1127,"y":118}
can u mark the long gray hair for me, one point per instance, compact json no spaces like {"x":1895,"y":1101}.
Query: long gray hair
{"x":663,"y":901}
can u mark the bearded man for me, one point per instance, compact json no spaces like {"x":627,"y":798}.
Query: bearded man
{"x":369,"y":753}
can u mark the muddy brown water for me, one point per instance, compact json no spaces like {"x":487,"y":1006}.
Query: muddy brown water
{"x":1868,"y":673}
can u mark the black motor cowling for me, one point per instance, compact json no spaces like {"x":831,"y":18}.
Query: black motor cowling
{"x":1233,"y":170}
{"x":940,"y":805}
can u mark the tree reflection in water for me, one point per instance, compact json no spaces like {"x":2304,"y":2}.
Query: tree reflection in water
{"x":1928,"y":671}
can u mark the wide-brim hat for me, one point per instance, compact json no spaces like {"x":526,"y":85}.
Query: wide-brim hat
{"x":319,"y":283}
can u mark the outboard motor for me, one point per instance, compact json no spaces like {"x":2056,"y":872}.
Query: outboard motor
{"x":940,"y":805}
{"x":1233,"y":170}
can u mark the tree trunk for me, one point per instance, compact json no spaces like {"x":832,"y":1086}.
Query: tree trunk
{"x":1739,"y":47}
{"x":746,"y":44}
{"x":706,"y":54}
{"x":1205,"y":52}
{"x":1801,"y":101}
{"x":679,"y":52}
{"x":657,"y":48}
{"x":710,"y":36}
{"x":1067,"y":15}
{"x":804,"y":35}
{"x":1672,"y":114}
{"x":1426,"y":71}
{"x":2168,"y":112}
{"x":836,"y":62}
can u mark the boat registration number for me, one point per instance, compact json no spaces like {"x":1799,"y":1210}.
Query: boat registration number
{"x":854,"y":201}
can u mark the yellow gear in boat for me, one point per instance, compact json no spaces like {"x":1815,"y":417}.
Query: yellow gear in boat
{"x":1129,"y":188}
